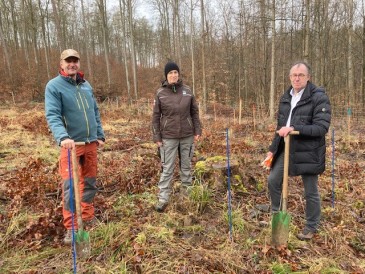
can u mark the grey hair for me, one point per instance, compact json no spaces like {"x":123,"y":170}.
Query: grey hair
{"x":298,"y":63}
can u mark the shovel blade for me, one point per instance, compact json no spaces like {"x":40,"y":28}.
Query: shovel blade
{"x":83,"y":248}
{"x":280,"y":228}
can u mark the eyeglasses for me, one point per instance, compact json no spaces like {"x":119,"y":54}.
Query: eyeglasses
{"x":301,"y":76}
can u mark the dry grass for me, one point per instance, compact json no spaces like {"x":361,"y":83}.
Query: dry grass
{"x":193,"y":235}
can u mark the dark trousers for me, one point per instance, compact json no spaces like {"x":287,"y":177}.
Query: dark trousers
{"x":311,"y":193}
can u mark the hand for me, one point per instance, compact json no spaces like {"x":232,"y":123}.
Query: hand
{"x":268,"y":160}
{"x":159,"y":144}
{"x":196,"y":138}
{"x":284,"y":131}
{"x":68,"y":143}
{"x":101,"y":142}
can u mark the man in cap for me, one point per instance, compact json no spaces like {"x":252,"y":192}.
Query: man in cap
{"x":73,"y":116}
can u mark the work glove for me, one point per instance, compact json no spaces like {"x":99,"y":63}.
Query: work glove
{"x":266,"y":164}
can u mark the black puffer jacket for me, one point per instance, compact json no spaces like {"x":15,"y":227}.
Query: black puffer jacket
{"x":175,"y":113}
{"x":311,"y":117}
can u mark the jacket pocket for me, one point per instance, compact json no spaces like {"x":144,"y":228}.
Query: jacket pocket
{"x":305,"y":120}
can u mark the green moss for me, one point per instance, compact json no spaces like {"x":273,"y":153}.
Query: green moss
{"x":358,"y":204}
{"x":260,"y":186}
{"x":216,"y":159}
{"x":200,"y":169}
{"x":279,"y":268}
{"x":237,"y":184}
{"x":238,"y":178}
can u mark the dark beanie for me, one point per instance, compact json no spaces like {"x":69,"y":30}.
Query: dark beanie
{"x":171,"y":66}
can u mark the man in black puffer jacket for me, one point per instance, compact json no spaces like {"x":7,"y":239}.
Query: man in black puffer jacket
{"x":304,"y":108}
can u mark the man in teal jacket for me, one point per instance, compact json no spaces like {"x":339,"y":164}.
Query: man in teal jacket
{"x":73,"y":116}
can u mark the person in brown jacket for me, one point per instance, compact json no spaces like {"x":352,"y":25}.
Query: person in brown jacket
{"x":175,"y":125}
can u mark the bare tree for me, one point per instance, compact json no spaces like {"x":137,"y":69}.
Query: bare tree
{"x":192,"y":7}
{"x":24,"y":34}
{"x":33,"y":24}
{"x":306,"y":31}
{"x":273,"y":60}
{"x":104,"y":26}
{"x":129,"y":6}
{"x":14,"y":17}
{"x":351,"y":88}
{"x":6,"y":55}
{"x":363,"y":54}
{"x":43,"y":14}
{"x":57,"y":21}
{"x":234,"y":42}
{"x":87,"y":39}
{"x":264,"y":48}
{"x":203,"y":35}
{"x":122,"y":9}
{"x":162,"y":7}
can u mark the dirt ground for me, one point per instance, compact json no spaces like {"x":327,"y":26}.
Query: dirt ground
{"x":203,"y":232}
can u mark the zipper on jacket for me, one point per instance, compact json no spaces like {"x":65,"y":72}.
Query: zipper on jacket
{"x":165,"y":124}
{"x":83,"y":106}
{"x":77,"y":100}
{"x":87,"y":104}
{"x":189,"y":122}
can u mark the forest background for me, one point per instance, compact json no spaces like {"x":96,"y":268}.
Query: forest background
{"x":227,"y":50}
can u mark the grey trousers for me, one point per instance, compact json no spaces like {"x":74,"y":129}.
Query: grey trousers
{"x":312,"y":197}
{"x":168,"y":151}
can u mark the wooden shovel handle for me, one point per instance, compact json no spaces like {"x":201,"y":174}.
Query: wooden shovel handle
{"x":80,"y":143}
{"x":286,"y":169}
{"x":75,"y":170}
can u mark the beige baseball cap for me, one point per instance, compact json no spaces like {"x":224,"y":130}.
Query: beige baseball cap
{"x":68,"y":53}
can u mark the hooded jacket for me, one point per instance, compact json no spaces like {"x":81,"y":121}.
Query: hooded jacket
{"x":311,"y":117}
{"x":71,"y":110}
{"x":175,"y":113}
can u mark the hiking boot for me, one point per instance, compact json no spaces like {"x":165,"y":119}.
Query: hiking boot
{"x":68,"y":237}
{"x":263,"y":207}
{"x":306,"y":234}
{"x":160,"y":207}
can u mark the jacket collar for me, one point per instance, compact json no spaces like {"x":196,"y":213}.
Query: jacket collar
{"x":308,"y":91}
{"x":79,"y":77}
{"x":165,"y":84}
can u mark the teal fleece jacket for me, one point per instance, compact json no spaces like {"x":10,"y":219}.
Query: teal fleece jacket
{"x":71,"y":110}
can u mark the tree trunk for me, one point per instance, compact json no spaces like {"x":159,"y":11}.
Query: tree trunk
{"x":363,"y":61}
{"x":306,"y":31}
{"x":104,"y":26}
{"x":204,"y":81}
{"x":192,"y":46}
{"x":5,"y":47}
{"x":57,"y":21}
{"x":46,"y":46}
{"x":24,"y":36}
{"x":15,"y":25}
{"x":124,"y":47}
{"x":33,"y":26}
{"x":350,"y":63}
{"x":272,"y":80}
{"x":87,"y":51}
{"x":133,"y":52}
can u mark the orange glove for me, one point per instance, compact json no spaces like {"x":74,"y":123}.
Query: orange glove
{"x":267,"y":162}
